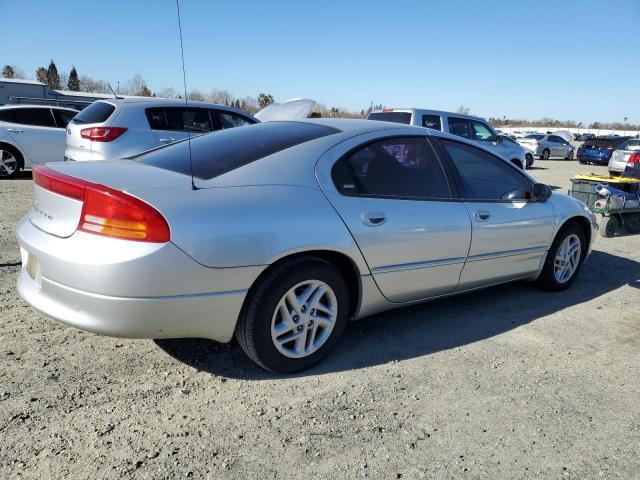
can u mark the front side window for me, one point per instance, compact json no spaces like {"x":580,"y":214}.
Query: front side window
{"x":40,"y":117}
{"x":63,"y":117}
{"x":231,"y":120}
{"x":432,"y":121}
{"x":482,"y":132}
{"x":485,"y":177}
{"x":555,"y":139}
{"x":459,"y":127}
{"x":398,"y":167}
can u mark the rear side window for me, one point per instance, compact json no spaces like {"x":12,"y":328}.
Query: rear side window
{"x":397,"y":167}
{"x":97,"y":112}
{"x":556,"y":139}
{"x":459,"y":127}
{"x":7,"y":116}
{"x":63,"y":117}
{"x":40,"y":117}
{"x":432,"y":121}
{"x":230,"y":119}
{"x":396,"y":117}
{"x":485,"y":177}
{"x":179,"y":119}
{"x":227,"y":150}
{"x":535,"y":137}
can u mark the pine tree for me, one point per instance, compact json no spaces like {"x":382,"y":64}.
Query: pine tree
{"x":8,"y":71}
{"x":53,"y":78}
{"x":237,"y":105}
{"x":74,"y":82}
{"x":41,"y":75}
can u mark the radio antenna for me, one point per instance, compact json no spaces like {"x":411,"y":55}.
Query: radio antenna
{"x":186,"y":105}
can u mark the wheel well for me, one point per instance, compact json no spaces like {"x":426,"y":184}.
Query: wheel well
{"x":584,"y":224}
{"x":20,"y":157}
{"x":340,"y":261}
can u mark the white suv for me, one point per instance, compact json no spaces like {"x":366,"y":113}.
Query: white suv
{"x":466,"y":126}
{"x":120,"y":128}
{"x":31,"y":134}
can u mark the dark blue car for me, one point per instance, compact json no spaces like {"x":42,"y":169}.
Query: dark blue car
{"x":599,"y":150}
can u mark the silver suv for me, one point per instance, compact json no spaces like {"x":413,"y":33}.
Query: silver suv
{"x":467,"y":126}
{"x":120,"y":128}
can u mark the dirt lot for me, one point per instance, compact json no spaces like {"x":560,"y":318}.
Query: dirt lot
{"x":509,"y":382}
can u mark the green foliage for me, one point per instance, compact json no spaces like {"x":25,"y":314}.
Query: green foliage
{"x":41,"y":75}
{"x":53,"y":78}
{"x":265,"y":99}
{"x":8,"y":71}
{"x":73,"y":83}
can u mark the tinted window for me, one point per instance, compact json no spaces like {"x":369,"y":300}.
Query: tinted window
{"x":179,"y":119}
{"x":40,"y":117}
{"x":7,"y":115}
{"x":226,"y":150}
{"x":396,"y":117}
{"x":97,"y":112}
{"x":482,"y":132}
{"x":398,"y":167}
{"x":485,"y":177}
{"x":553,"y":138}
{"x":535,"y":136}
{"x":230,"y":120}
{"x":432,"y":121}
{"x":63,"y":117}
{"x":629,"y":145}
{"x":459,"y":127}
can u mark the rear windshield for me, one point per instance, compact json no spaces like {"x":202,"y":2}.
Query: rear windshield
{"x":604,"y":142}
{"x":396,"y":117}
{"x":536,"y":137}
{"x":220,"y":152}
{"x":97,"y":112}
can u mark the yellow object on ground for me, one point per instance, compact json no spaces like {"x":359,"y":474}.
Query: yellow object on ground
{"x":601,"y":178}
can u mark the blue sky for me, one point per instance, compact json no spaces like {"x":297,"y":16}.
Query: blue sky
{"x":569,"y":59}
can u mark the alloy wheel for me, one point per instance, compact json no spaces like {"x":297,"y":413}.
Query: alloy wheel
{"x":304,"y":319}
{"x":8,"y":163}
{"x":567,"y":258}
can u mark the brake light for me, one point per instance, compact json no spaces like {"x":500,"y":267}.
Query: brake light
{"x":102,"y":134}
{"x":634,"y":160}
{"x":387,"y":109}
{"x":106,"y":211}
{"x":610,"y":146}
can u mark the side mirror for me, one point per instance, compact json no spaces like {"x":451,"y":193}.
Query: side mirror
{"x":541,"y":192}
{"x":499,"y":139}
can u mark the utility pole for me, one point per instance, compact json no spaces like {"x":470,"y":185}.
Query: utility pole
{"x":118,"y":87}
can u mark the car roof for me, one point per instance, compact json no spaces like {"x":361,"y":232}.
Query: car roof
{"x":14,"y":107}
{"x":168,"y":102}
{"x":428,"y":112}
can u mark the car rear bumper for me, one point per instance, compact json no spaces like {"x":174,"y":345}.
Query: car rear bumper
{"x":129,"y":289}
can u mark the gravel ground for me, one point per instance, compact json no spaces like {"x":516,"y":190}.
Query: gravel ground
{"x":508,"y":382}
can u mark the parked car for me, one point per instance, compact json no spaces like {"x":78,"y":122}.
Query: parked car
{"x":598,"y":150}
{"x":548,"y":146}
{"x":588,"y":136}
{"x":119,"y":128}
{"x":622,"y":154}
{"x":466,"y":126}
{"x":529,"y":155}
{"x":293,"y":228}
{"x":31,"y":135}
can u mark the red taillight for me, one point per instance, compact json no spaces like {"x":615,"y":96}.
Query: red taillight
{"x":610,"y":146}
{"x":106,"y":211}
{"x":387,"y":109}
{"x":102,"y":134}
{"x":634,"y":160}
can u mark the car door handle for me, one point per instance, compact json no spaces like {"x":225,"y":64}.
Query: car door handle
{"x":373,"y":219}
{"x":167,"y":140}
{"x":15,"y":130}
{"x":482,"y":215}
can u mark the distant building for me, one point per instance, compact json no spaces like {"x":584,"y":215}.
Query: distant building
{"x":15,"y":91}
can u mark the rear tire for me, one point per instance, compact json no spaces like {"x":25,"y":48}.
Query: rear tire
{"x":11,"y":161}
{"x":545,"y":154}
{"x":564,"y":259}
{"x":282,"y":332}
{"x":569,"y":156}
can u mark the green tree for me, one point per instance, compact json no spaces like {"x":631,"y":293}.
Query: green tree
{"x":53,"y":78}
{"x":265,"y":99}
{"x":8,"y":71}
{"x":41,"y":75}
{"x":74,"y":82}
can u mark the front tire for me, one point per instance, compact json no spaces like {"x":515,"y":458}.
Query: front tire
{"x":564,"y":259}
{"x":10,"y":161}
{"x":546,"y":153}
{"x":295,"y":316}
{"x":529,"y":160}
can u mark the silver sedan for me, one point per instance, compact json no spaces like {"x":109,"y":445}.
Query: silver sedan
{"x":279,"y":233}
{"x":548,"y":146}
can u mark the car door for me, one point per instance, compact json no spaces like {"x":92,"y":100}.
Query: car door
{"x":555,"y":146}
{"x":511,"y":232}
{"x":36,"y":134}
{"x":170,"y":124}
{"x":394,"y":196}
